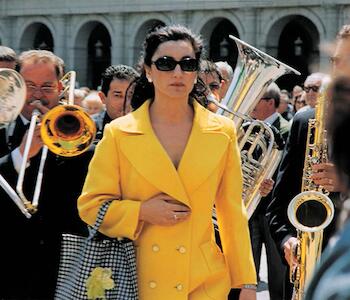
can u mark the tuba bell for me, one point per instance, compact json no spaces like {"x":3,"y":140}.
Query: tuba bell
{"x":12,"y":98}
{"x":12,"y":95}
{"x":254,"y":72}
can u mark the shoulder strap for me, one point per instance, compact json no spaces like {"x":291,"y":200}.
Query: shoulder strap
{"x":100,"y":216}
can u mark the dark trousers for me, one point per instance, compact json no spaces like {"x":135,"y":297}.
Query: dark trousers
{"x":259,"y":234}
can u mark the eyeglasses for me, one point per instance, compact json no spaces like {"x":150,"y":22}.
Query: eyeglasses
{"x":214,"y":86}
{"x":335,"y":60}
{"x":315,"y":88}
{"x":167,"y":63}
{"x":43,"y":89}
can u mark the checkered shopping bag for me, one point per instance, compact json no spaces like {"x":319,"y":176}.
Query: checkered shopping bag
{"x":97,"y":267}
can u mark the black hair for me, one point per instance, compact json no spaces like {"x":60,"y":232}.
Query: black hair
{"x":145,"y":90}
{"x":121,"y":72}
{"x":339,"y":126}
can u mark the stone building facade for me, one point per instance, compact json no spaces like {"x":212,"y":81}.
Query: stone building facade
{"x":92,"y":34}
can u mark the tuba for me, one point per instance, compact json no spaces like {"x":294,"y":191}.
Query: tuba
{"x":66,"y":130}
{"x":12,"y":98}
{"x":253,"y":74}
{"x":311,"y":211}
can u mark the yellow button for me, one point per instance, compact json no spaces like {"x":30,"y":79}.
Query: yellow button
{"x":155,"y":248}
{"x":182,"y":249}
{"x":152,"y":284}
{"x":179,"y":287}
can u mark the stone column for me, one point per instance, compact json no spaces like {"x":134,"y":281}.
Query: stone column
{"x":61,"y":42}
{"x":118,"y":39}
{"x":330,"y":17}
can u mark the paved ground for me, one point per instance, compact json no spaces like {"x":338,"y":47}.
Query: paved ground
{"x":263,"y":293}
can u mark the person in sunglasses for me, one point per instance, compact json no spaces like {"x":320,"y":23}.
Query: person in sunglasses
{"x":312,"y":85}
{"x":170,"y":161}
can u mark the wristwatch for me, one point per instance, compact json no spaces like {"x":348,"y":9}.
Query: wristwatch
{"x":249,"y":286}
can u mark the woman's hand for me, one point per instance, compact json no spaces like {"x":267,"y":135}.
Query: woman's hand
{"x":163,"y":210}
{"x":247,"y":294}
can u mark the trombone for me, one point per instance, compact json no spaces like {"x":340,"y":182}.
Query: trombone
{"x":66,"y":130}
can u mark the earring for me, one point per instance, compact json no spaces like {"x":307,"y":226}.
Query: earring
{"x":149,"y":80}
{"x":195,"y":81}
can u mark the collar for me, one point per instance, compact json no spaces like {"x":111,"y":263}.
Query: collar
{"x":271,"y":119}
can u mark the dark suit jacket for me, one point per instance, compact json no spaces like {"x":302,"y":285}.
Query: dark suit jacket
{"x":289,"y":181}
{"x":282,"y":126}
{"x":29,"y":254}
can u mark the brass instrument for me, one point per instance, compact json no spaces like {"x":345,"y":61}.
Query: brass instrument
{"x":12,"y":98}
{"x":254,"y":72}
{"x":66,"y":130}
{"x":311,"y":211}
{"x":12,"y":95}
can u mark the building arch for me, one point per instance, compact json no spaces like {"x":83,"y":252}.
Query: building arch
{"x":294,"y":39}
{"x":37,"y":35}
{"x":219,"y":46}
{"x":143,"y":26}
{"x":92,"y":52}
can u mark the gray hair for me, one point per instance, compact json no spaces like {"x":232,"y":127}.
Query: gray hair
{"x":315,"y":77}
{"x":225,"y":70}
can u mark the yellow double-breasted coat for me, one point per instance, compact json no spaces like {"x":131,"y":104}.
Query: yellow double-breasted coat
{"x":181,"y":261}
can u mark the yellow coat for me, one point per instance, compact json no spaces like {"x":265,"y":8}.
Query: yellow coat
{"x":181,"y":261}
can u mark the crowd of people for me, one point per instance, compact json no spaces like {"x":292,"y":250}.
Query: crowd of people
{"x":166,"y":157}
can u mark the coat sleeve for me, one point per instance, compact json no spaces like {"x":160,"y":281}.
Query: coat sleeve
{"x":232,"y":220}
{"x":103,"y":183}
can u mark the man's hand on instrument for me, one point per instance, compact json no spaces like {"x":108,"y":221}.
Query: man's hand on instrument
{"x":324,"y":174}
{"x":289,"y":251}
{"x":266,"y":187}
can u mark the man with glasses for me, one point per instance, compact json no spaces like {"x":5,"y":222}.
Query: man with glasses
{"x":290,"y":172}
{"x":312,"y":85}
{"x":29,"y":255}
{"x":210,"y":75}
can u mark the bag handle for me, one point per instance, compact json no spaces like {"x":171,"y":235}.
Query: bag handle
{"x":100,"y":216}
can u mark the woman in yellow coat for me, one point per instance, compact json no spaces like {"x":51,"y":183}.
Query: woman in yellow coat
{"x":169,"y":162}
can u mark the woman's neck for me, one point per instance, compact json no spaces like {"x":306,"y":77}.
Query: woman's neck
{"x":170,"y":110}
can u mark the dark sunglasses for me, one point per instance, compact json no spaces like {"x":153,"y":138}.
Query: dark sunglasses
{"x":167,"y":63}
{"x":315,"y":88}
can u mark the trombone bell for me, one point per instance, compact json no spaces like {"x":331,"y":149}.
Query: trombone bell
{"x":67,"y":130}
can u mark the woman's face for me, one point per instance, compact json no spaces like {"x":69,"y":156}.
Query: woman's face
{"x":175,"y":83}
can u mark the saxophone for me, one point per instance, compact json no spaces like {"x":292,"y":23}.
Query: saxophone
{"x":311,"y":211}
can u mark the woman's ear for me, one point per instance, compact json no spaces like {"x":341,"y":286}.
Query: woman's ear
{"x":148,"y":74}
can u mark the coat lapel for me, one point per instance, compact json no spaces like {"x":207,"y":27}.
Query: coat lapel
{"x":205,"y":148}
